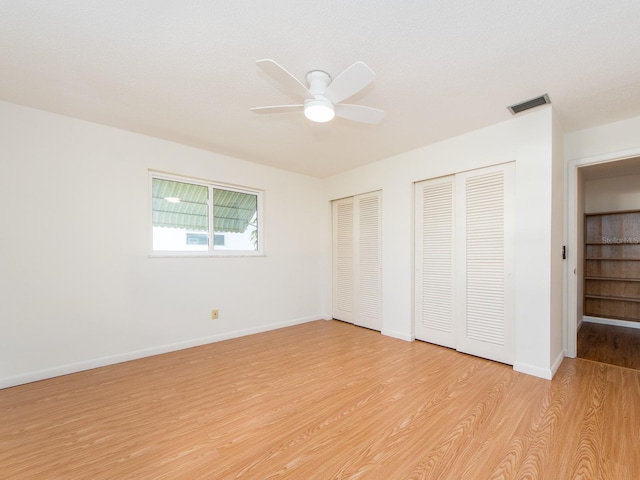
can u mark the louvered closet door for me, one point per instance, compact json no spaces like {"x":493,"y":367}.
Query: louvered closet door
{"x":357,"y":255}
{"x":367,"y":284}
{"x":343,"y":261}
{"x":484,"y":276}
{"x":464,"y":254}
{"x":435,"y":261}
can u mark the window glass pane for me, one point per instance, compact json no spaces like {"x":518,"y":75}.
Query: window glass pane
{"x":180,"y":216}
{"x":235,"y":220}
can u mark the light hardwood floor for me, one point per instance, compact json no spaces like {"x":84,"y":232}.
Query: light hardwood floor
{"x":323,"y":400}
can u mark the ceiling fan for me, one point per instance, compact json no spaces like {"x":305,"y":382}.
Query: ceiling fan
{"x":323,"y":95}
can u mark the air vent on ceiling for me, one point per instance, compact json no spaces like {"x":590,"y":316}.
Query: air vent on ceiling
{"x":534,"y":102}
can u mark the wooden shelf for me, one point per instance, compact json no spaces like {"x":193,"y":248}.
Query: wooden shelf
{"x":619,"y":299}
{"x":612,"y":268}
{"x":614,"y":279}
{"x":612,"y":243}
{"x":619,"y":259}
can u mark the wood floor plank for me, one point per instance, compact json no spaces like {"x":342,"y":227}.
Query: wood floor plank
{"x":322,"y":400}
{"x":610,"y":344}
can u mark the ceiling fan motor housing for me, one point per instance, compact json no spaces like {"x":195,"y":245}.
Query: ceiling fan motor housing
{"x":318,"y":82}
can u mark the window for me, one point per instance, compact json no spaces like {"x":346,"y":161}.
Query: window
{"x":194,"y":217}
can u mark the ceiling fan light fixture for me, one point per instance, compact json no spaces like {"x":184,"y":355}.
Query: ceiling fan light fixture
{"x":318,"y":110}
{"x":323,"y":96}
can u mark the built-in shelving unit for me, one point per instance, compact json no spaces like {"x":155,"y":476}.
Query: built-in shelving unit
{"x":612,"y":265}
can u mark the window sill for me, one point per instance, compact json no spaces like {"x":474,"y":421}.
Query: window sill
{"x":204,"y":255}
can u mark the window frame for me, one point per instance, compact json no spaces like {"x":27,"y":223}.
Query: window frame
{"x":211,"y":185}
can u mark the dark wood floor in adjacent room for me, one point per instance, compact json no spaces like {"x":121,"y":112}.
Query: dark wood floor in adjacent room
{"x":609,"y":344}
{"x":323,"y":400}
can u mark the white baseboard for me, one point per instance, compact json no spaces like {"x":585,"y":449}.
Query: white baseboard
{"x":148,"y":352}
{"x":546,"y":373}
{"x":399,"y":335}
{"x":611,"y":321}
{"x":556,"y":364}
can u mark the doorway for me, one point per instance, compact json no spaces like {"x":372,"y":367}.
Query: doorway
{"x":598,"y":186}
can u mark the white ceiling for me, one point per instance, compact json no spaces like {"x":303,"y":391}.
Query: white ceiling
{"x":185,"y":70}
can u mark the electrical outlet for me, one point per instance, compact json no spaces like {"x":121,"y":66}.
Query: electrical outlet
{"x":214,"y":314}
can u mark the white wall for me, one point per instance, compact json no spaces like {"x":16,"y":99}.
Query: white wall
{"x":613,"y":140}
{"x":77,"y":286}
{"x":612,"y":194}
{"x":527,"y":139}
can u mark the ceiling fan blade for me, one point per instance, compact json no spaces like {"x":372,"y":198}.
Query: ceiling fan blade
{"x":350,"y":82}
{"x":291,"y":84}
{"x":277,"y":109}
{"x":359,"y":113}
